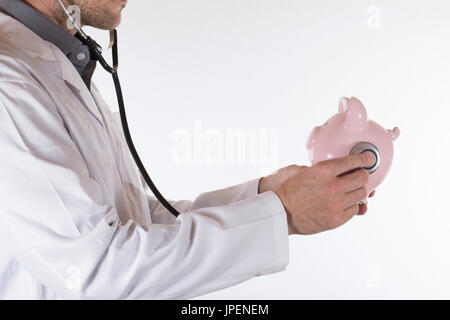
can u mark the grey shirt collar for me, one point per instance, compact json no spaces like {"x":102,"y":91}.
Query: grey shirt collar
{"x":73,"y":48}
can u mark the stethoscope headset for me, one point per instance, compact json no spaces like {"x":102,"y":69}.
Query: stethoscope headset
{"x":97,"y":51}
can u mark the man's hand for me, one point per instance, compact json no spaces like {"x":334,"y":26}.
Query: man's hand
{"x":323,"y":196}
{"x":276,"y":179}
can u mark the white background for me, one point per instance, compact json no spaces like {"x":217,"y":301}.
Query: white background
{"x":282,"y":65}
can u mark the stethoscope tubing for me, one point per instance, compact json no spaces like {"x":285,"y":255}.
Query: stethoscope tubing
{"x":123,"y":117}
{"x":96,"y":50}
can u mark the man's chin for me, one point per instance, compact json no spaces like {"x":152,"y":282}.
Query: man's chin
{"x":111,"y":25}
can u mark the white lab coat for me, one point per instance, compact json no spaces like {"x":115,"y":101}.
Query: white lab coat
{"x":76,"y":218}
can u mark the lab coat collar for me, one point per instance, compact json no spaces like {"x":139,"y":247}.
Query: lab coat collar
{"x":50,"y":57}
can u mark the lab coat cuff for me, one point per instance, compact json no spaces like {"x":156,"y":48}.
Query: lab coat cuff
{"x":278,"y":230}
{"x":250,"y":188}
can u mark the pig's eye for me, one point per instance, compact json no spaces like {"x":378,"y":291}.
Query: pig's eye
{"x":325,"y":123}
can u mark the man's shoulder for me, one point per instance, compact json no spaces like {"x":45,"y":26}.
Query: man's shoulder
{"x":15,"y":65}
{"x":20,"y":51}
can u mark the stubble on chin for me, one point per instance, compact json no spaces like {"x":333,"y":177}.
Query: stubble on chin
{"x":92,"y":13}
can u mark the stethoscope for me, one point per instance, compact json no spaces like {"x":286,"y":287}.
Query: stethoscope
{"x":97,"y":51}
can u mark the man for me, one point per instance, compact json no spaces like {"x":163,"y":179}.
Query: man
{"x":76,"y":219}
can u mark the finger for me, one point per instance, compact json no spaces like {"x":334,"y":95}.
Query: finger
{"x":355,"y":196}
{"x":350,"y":212}
{"x":353,"y":161}
{"x":348,"y":172}
{"x":353,"y":181}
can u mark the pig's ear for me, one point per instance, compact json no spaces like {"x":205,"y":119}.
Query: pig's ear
{"x":356,"y":115}
{"x":343,"y":104}
{"x":395,"y":133}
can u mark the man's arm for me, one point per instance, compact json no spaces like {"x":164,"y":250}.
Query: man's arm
{"x":215,"y":198}
{"x":55,"y":226}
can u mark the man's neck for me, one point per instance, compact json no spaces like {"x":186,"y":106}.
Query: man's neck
{"x":52,"y":11}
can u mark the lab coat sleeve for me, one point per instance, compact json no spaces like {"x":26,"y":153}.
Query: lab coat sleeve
{"x":215,"y":198}
{"x":53,"y":221}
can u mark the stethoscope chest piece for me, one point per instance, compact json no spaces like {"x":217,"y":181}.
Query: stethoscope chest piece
{"x":367,"y":147}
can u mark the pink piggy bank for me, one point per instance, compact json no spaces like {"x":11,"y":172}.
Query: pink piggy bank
{"x":349,"y":132}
